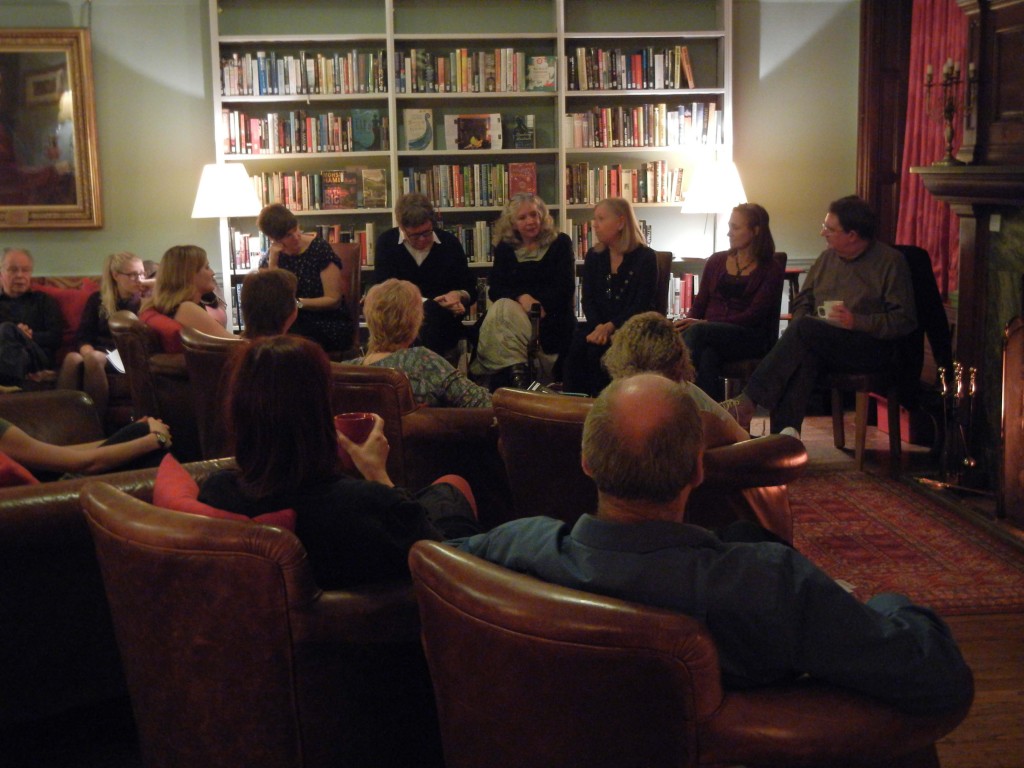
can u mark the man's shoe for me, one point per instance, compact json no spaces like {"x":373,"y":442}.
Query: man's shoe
{"x":519,"y":377}
{"x":741,"y":409}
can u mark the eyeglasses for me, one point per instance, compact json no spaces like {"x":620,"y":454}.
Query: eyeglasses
{"x":133,"y":275}
{"x":420,"y":235}
{"x":18,"y":270}
{"x":831,"y":230}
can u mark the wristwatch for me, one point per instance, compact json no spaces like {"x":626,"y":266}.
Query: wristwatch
{"x":298,"y":303}
{"x":161,"y":438}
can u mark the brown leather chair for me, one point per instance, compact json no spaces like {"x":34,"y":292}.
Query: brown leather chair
{"x":205,"y":357}
{"x":158,"y":381}
{"x":58,"y":416}
{"x":560,"y":677}
{"x":540,"y":438}
{"x":234,"y":656}
{"x":351,"y":291}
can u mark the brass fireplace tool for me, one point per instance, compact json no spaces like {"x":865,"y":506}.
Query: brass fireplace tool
{"x":959,"y":392}
{"x":950,"y":82}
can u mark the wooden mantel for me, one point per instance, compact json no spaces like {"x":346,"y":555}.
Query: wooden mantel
{"x":997,"y":185}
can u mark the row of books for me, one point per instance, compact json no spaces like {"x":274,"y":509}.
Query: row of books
{"x":300,"y":131}
{"x":475,"y":239}
{"x":472,"y":185}
{"x":263,"y":73}
{"x":324,"y":190}
{"x":651,"y":182}
{"x":247,"y":249}
{"x":644,"y":125}
{"x":582,"y":234}
{"x":464,"y":71}
{"x":468,"y":132}
{"x":609,"y":69}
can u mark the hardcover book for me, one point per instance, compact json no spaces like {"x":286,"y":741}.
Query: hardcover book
{"x":366,"y":127}
{"x":522,"y":177}
{"x":419,"y":128}
{"x":340,"y":189}
{"x":541,"y":73}
{"x":521,"y":134}
{"x":375,"y":188}
{"x":474,"y":131}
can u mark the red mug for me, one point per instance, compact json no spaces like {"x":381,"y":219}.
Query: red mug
{"x":356,"y":427}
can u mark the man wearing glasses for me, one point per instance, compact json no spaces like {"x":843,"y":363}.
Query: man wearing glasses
{"x":435,"y":262}
{"x":30,"y":322}
{"x":857,"y":300}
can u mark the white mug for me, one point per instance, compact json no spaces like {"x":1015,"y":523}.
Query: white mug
{"x":825,"y":308}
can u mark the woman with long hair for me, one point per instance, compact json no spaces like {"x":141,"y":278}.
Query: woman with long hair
{"x":533,"y":265}
{"x":739,"y":293}
{"x":86,"y":366}
{"x":356,"y":530}
{"x":619,"y":280}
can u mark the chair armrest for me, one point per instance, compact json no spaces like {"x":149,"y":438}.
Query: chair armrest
{"x":762,"y":461}
{"x":60,"y":417}
{"x":427,"y":426}
{"x":379,"y":613}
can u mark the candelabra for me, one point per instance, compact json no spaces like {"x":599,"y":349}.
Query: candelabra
{"x":946,"y":108}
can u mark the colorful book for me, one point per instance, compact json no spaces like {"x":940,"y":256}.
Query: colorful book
{"x":419,"y":128}
{"x":366,"y":130}
{"x":375,"y":188}
{"x":541,"y":73}
{"x":340,"y":189}
{"x":477,"y":131}
{"x":522,"y":177}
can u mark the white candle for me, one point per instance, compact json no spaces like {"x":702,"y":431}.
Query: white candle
{"x":928,"y":71}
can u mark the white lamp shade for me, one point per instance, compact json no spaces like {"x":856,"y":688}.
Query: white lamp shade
{"x":715,"y":188}
{"x":225,"y":190}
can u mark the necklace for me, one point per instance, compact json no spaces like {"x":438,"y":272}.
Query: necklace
{"x":746,"y":268}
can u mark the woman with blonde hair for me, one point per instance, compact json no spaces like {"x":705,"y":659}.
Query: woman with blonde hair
{"x":394,"y":314}
{"x":648,"y":343}
{"x":619,"y":280}
{"x":86,"y":367}
{"x":533,"y":265}
{"x":183,"y":278}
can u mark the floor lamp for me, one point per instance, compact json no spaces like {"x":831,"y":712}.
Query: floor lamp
{"x":715,"y":188}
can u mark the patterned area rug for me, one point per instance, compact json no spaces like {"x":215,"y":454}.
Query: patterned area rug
{"x":883,"y":536}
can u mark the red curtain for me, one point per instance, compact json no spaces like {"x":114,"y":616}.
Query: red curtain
{"x":938,"y":33}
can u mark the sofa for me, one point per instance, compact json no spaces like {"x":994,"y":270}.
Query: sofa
{"x":57,"y":643}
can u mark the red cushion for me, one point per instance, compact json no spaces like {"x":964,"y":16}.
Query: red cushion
{"x":176,"y":489}
{"x":12,"y":473}
{"x":72,"y":302}
{"x":167,"y":329}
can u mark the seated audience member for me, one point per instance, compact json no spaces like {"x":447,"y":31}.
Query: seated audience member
{"x":433,"y":260}
{"x":533,"y":264}
{"x":647,"y":343}
{"x":268,"y":302}
{"x":772,"y":614}
{"x":323,"y":315}
{"x":394,"y":313}
{"x":619,"y":280}
{"x":86,"y":366}
{"x":182,"y":280}
{"x":140,"y":444}
{"x":738,"y":297}
{"x":356,"y":531}
{"x":30,"y":323}
{"x":874,"y":306}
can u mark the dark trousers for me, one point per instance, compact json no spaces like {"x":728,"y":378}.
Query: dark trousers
{"x":441,"y":330}
{"x":583,"y":371}
{"x":809,"y":347}
{"x":19,"y":355}
{"x":712,"y":344}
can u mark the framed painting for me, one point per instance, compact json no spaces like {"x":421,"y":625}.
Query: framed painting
{"x":49,"y":171}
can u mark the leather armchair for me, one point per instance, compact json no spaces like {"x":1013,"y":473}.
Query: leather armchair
{"x":59,"y":416}
{"x":158,"y":381}
{"x":540,"y":441}
{"x":205,"y":358}
{"x":561,"y":677}
{"x":234,"y":656}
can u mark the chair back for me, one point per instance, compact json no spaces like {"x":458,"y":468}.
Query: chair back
{"x":158,"y":381}
{"x":772,"y":328}
{"x":205,"y":359}
{"x":558,"y":677}
{"x":383,"y":391}
{"x":932,"y":325}
{"x":34,"y":413}
{"x":351,"y":290}
{"x":664,"y":262}
{"x":232,"y":654}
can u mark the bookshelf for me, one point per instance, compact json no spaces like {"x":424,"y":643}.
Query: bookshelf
{"x":294,"y":102}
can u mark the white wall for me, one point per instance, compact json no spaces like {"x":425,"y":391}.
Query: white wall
{"x":154,"y":123}
{"x":795,"y":104}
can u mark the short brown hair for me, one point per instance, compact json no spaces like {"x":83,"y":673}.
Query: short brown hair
{"x":648,"y":342}
{"x":268,"y":300}
{"x":414,"y":209}
{"x":653,"y":469}
{"x":394,"y":314}
{"x":276,"y":221}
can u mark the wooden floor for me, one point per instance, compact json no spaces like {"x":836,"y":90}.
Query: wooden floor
{"x":992,"y":736}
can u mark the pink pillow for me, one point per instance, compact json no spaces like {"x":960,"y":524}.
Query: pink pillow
{"x":12,"y":473}
{"x":176,"y":489}
{"x":71,"y":302}
{"x":168,"y":330}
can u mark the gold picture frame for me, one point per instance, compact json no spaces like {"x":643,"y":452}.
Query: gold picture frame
{"x":49,"y":168}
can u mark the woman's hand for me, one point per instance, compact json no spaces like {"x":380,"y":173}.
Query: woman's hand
{"x":682,"y":323}
{"x":159,"y":428}
{"x":371,"y":456}
{"x":273,"y":252}
{"x":452,"y":301}
{"x":526,"y":301}
{"x":602,"y":334}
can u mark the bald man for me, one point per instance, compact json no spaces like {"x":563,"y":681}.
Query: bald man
{"x":773,"y":615}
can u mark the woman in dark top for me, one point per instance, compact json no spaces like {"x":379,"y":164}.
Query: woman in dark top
{"x":356,"y":531}
{"x":323,"y":316}
{"x":86,"y":367}
{"x":738,"y":296}
{"x":533,"y":264}
{"x":620,"y":277}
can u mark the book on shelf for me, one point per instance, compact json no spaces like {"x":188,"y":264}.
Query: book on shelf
{"x":366,"y":130}
{"x":542,"y":73}
{"x":522,"y":177}
{"x":684,"y":56}
{"x":375,"y":188}
{"x":340,"y":189}
{"x":521,"y":132}
{"x":476,"y":131}
{"x":419,"y":128}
